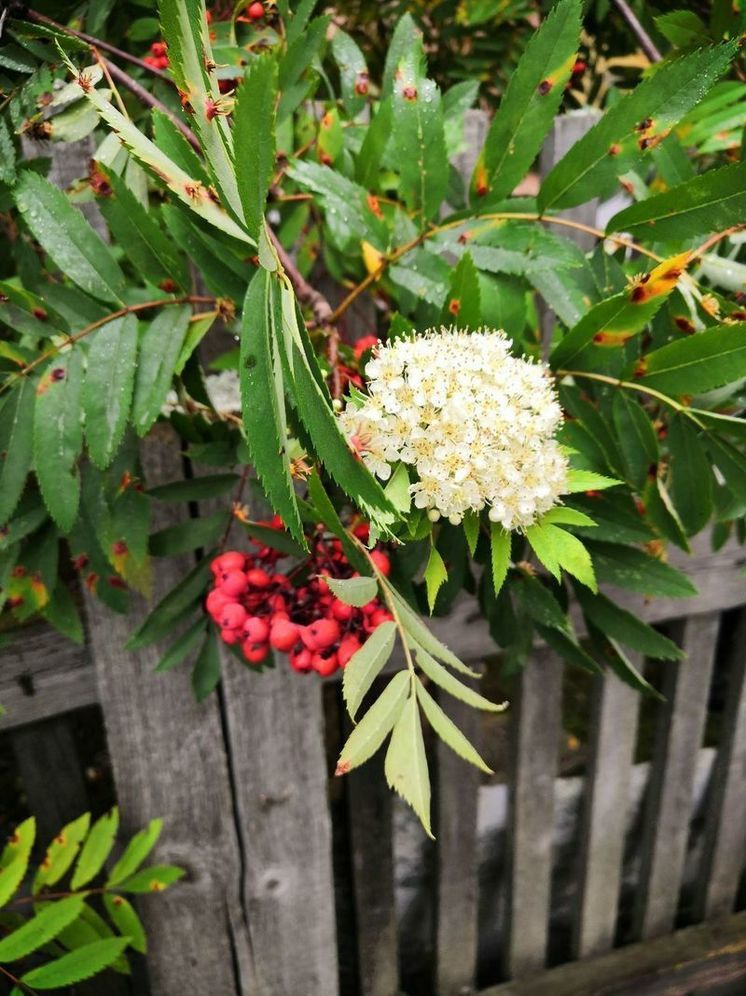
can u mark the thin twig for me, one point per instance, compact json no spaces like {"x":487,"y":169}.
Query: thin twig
{"x":646,"y":42}
{"x":17,"y":982}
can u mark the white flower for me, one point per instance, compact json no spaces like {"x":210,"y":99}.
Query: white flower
{"x":476,"y":423}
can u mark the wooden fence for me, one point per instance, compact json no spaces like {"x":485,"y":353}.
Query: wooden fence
{"x":291,"y":875}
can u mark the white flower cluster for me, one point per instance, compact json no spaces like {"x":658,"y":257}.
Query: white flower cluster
{"x":476,"y":423}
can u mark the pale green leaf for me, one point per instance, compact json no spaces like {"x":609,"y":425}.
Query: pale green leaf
{"x":353,"y":591}
{"x":447,"y":730}
{"x":254,"y":138}
{"x":422,"y":636}
{"x":375,"y":725}
{"x":15,"y":857}
{"x":499,"y":555}
{"x":61,"y":852}
{"x":159,"y":350}
{"x":406,"y":763}
{"x":366,"y":664}
{"x":108,"y":386}
{"x":96,"y":848}
{"x":443,"y":677}
{"x":435,"y":576}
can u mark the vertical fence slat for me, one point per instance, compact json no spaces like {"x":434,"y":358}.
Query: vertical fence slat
{"x":724,"y":847}
{"x":370,"y":814}
{"x":456,"y":797}
{"x":275,"y":726}
{"x":169,"y":760}
{"x":536,"y":714}
{"x":614,"y":731}
{"x":669,"y":794}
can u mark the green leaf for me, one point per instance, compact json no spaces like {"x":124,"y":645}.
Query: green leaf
{"x":435,"y":576}
{"x":124,"y":917}
{"x":277,"y":539}
{"x":160,"y":621}
{"x":406,"y":764}
{"x":108,"y":386}
{"x":348,"y":215}
{"x":7,"y":155}
{"x":621,"y":665}
{"x":447,"y":730}
{"x":188,"y":535}
{"x":375,"y":725}
{"x":406,"y":39}
{"x":462,"y":306}
{"x":366,"y":664}
{"x":636,"y":437}
{"x":254,"y":135}
{"x":183,"y":646}
{"x":568,"y":648}
{"x":96,"y":848}
{"x":61,"y":852}
{"x":443,"y":677}
{"x":732,"y":465}
{"x":587,"y":480}
{"x":16,"y":442}
{"x":196,"y":489}
{"x":15,"y":857}
{"x":159,"y":350}
{"x":421,"y":635}
{"x":397,"y":489}
{"x":224,"y":273}
{"x":205,"y":673}
{"x":299,"y":19}
{"x":353,"y":71}
{"x":325,"y":511}
{"x":557,"y":548}
{"x":58,"y":436}
{"x":377,"y":136}
{"x":299,"y":56}
{"x":618,"y":624}
{"x":155,"y":878}
{"x":499,"y":555}
{"x":471,"y":530}
{"x":62,"y":613}
{"x":263,"y":399}
{"x":529,"y":104}
{"x":353,"y":591}
{"x":710,"y":202}
{"x":691,"y":484}
{"x":135,"y":852}
{"x":630,"y":568}
{"x":615,"y":145}
{"x":568,"y":517}
{"x":69,"y":240}
{"x":539,"y":603}
{"x":40,"y":929}
{"x":419,"y":140}
{"x":77,"y":965}
{"x":699,"y":363}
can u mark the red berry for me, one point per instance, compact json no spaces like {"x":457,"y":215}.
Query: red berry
{"x":230,"y":636}
{"x":379,"y":616}
{"x":163,"y":62}
{"x":325,"y":665}
{"x":254,"y":653}
{"x":381,"y":561}
{"x":232,"y":561}
{"x":347,"y":647}
{"x":258,"y":578}
{"x":233,"y":583}
{"x":256,"y":630}
{"x":283,"y":635}
{"x":340,"y":611}
{"x":363,"y":345}
{"x":321,"y":634}
{"x":215,"y":602}
{"x":300,"y":660}
{"x":232,"y":616}
{"x":370,"y":607}
{"x":256,"y":11}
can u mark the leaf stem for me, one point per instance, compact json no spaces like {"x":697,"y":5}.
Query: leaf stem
{"x":17,"y":982}
{"x":646,"y":42}
{"x":631,"y":386}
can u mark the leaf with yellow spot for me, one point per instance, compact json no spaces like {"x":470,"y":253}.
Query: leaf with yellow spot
{"x":61,"y":852}
{"x":372,"y":258}
{"x":14,"y":858}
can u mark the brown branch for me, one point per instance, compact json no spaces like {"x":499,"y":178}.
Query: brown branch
{"x":646,"y":42}
{"x":306,"y":294}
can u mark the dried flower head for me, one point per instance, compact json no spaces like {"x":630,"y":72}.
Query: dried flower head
{"x":476,"y":424}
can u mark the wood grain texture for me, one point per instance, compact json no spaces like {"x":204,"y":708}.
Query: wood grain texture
{"x":669,"y":794}
{"x":535,"y":712}
{"x":613,"y":735}
{"x":724,"y":847}
{"x":169,"y":760}
{"x":457,"y":885}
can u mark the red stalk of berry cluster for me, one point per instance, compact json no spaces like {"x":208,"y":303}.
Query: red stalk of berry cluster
{"x":257,"y":607}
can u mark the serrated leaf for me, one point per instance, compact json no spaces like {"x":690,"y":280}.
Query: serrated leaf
{"x":691,"y":482}
{"x":58,"y":436}
{"x":621,"y":665}
{"x":557,"y":549}
{"x":205,"y":673}
{"x":568,"y":648}
{"x":436,"y":576}
{"x":96,"y":848}
{"x":263,"y":398}
{"x":499,"y":555}
{"x":108,"y":386}
{"x":587,"y":480}
{"x":447,"y":730}
{"x":124,"y":917}
{"x":324,"y":510}
{"x":62,"y":613}
{"x":377,"y":137}
{"x":159,"y":349}
{"x":16,"y":444}
{"x":195,"y":489}
{"x":135,"y":852}
{"x":375,"y":725}
{"x":630,"y":568}
{"x":299,"y":56}
{"x":40,"y":929}
{"x":616,"y":623}
{"x":449,"y":683}
{"x":61,"y":852}
{"x":731,"y":463}
{"x":471,"y":530}
{"x":406,"y":763}
{"x":254,"y":138}
{"x":710,"y":202}
{"x":15,"y":857}
{"x":182,"y":647}
{"x":7,"y":155}
{"x":531,"y":99}
{"x":568,"y":517}
{"x":422,"y":636}
{"x":161,"y":620}
{"x":636,"y":437}
{"x":277,"y":539}
{"x":223,"y":271}
{"x":615,"y":145}
{"x":155,"y":878}
{"x":76,"y":965}
{"x":69,"y":240}
{"x":462,"y":306}
{"x":353,"y":591}
{"x":397,"y":489}
{"x":353,"y":72}
{"x":191,"y":534}
{"x":699,"y":363}
{"x":366,"y":664}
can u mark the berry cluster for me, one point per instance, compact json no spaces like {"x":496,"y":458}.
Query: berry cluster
{"x":295,"y":613}
{"x":158,"y":57}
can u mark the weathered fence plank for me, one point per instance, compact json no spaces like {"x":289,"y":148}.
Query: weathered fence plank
{"x":669,"y":796}
{"x":536,"y":715}
{"x":614,"y":731}
{"x":169,"y":760}
{"x":724,"y":845}
{"x":456,"y":791}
